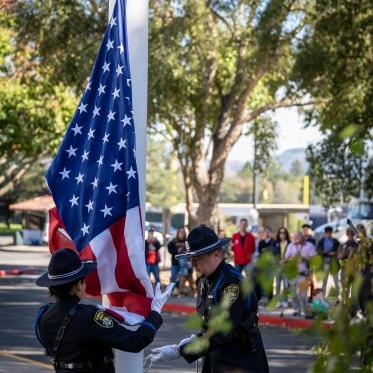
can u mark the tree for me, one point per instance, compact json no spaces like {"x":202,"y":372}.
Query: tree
{"x":33,"y":112}
{"x":337,"y":174}
{"x":163,"y":182}
{"x":296,"y":168}
{"x":216,"y":66}
{"x":335,"y":64}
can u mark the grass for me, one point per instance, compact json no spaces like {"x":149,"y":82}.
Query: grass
{"x":13,"y":228}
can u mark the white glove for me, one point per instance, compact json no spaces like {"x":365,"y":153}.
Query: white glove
{"x":160,"y":298}
{"x":165,"y":353}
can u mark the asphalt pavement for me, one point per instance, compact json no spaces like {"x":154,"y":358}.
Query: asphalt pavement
{"x":287,"y":351}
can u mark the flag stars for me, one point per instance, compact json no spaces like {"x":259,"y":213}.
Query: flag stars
{"x":82,"y":108}
{"x":106,"y":210}
{"x":110,"y":44}
{"x":106,"y":67}
{"x":121,"y":48}
{"x":126,"y":120}
{"x":91,"y":133}
{"x":119,"y":70}
{"x":65,"y":173}
{"x":77,"y":129}
{"x":129,"y":82}
{"x":106,"y":137}
{"x":95,"y":182}
{"x":79,"y":178}
{"x":89,"y":205}
{"x":74,"y":201}
{"x":111,"y":188}
{"x":88,"y":87}
{"x":85,"y":229}
{"x":96,"y":111}
{"x":117,"y":166}
{"x":85,"y":156}
{"x":100,"y":161}
{"x":113,"y":22}
{"x":101,"y":89}
{"x":71,"y":151}
{"x":122,"y":143}
{"x":111,"y":115}
{"x":131,"y":173}
{"x":115,"y":93}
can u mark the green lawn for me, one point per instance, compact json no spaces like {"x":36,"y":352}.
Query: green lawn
{"x":13,"y":228}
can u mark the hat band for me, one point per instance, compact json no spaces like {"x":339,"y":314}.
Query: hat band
{"x":203,"y":248}
{"x":64,"y":275}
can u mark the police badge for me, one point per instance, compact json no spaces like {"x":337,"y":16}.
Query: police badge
{"x":103,"y":320}
{"x":231,"y":292}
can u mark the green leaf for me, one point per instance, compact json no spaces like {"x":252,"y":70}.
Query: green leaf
{"x":357,"y":146}
{"x":348,"y":131}
{"x":194,"y":322}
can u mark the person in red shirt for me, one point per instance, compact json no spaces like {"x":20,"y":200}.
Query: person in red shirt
{"x":243,"y":246}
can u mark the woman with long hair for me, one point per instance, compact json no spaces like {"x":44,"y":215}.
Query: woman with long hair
{"x":282,"y":242}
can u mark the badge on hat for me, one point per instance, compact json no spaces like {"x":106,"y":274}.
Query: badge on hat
{"x":231,"y":292}
{"x":103,"y":320}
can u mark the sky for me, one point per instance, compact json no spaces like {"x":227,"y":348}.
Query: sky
{"x":292,"y":134}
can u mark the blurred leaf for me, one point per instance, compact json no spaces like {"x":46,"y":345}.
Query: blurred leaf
{"x":194,"y":322}
{"x":348,"y":131}
{"x":357,"y":146}
{"x":197,"y":345}
{"x":290,"y":269}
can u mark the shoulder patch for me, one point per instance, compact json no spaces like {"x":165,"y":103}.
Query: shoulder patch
{"x":231,"y":292}
{"x":103,"y":320}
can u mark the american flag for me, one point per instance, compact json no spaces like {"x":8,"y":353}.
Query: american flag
{"x":94,"y":179}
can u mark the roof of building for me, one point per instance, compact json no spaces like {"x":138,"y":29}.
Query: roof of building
{"x":41,"y":204}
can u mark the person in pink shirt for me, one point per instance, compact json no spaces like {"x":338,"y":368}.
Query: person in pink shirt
{"x":304,"y":251}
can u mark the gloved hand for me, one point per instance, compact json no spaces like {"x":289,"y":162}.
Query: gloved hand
{"x":165,"y":353}
{"x":160,"y":298}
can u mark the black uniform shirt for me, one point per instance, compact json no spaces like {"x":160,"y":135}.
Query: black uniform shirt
{"x":225,"y":352}
{"x":92,"y":334}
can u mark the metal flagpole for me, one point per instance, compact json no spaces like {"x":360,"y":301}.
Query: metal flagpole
{"x":137,"y":32}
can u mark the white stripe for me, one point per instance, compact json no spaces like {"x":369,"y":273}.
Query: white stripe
{"x":106,"y":256}
{"x":136,"y":248}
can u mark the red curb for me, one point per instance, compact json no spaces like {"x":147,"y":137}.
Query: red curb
{"x":263,"y":319}
{"x":16,"y":272}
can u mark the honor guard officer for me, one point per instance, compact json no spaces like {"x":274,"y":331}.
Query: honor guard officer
{"x":241,"y":350}
{"x":79,"y":337}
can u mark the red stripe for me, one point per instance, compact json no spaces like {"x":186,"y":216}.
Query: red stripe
{"x":124,"y":273}
{"x":92,"y":281}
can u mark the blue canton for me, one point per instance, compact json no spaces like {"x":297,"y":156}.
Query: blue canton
{"x":93,"y":178}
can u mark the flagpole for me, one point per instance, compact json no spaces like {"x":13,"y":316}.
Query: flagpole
{"x":137,"y":33}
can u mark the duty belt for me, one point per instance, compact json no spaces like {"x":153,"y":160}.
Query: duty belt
{"x":87,"y":365}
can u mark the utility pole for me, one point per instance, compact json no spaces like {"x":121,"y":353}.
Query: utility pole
{"x":255,"y":171}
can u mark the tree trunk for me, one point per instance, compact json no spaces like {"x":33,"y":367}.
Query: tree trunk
{"x":207,"y":212}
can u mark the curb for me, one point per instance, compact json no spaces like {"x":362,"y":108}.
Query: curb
{"x":264,"y":319}
{"x":17,"y":272}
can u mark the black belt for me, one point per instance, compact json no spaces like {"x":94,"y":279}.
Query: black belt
{"x":87,"y":365}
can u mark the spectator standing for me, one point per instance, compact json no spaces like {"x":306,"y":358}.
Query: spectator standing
{"x":346,"y":251}
{"x":176,"y":246}
{"x":282,"y":243}
{"x":243,"y":246}
{"x":328,"y":247}
{"x":308,"y":233}
{"x":152,"y":246}
{"x":223,"y":235}
{"x":303,"y":251}
{"x":268,"y":245}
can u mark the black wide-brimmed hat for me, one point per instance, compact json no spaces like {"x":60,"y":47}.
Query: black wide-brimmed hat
{"x":64,"y":267}
{"x":201,"y":240}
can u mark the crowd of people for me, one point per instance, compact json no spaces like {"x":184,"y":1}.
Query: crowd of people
{"x":245,"y":250}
